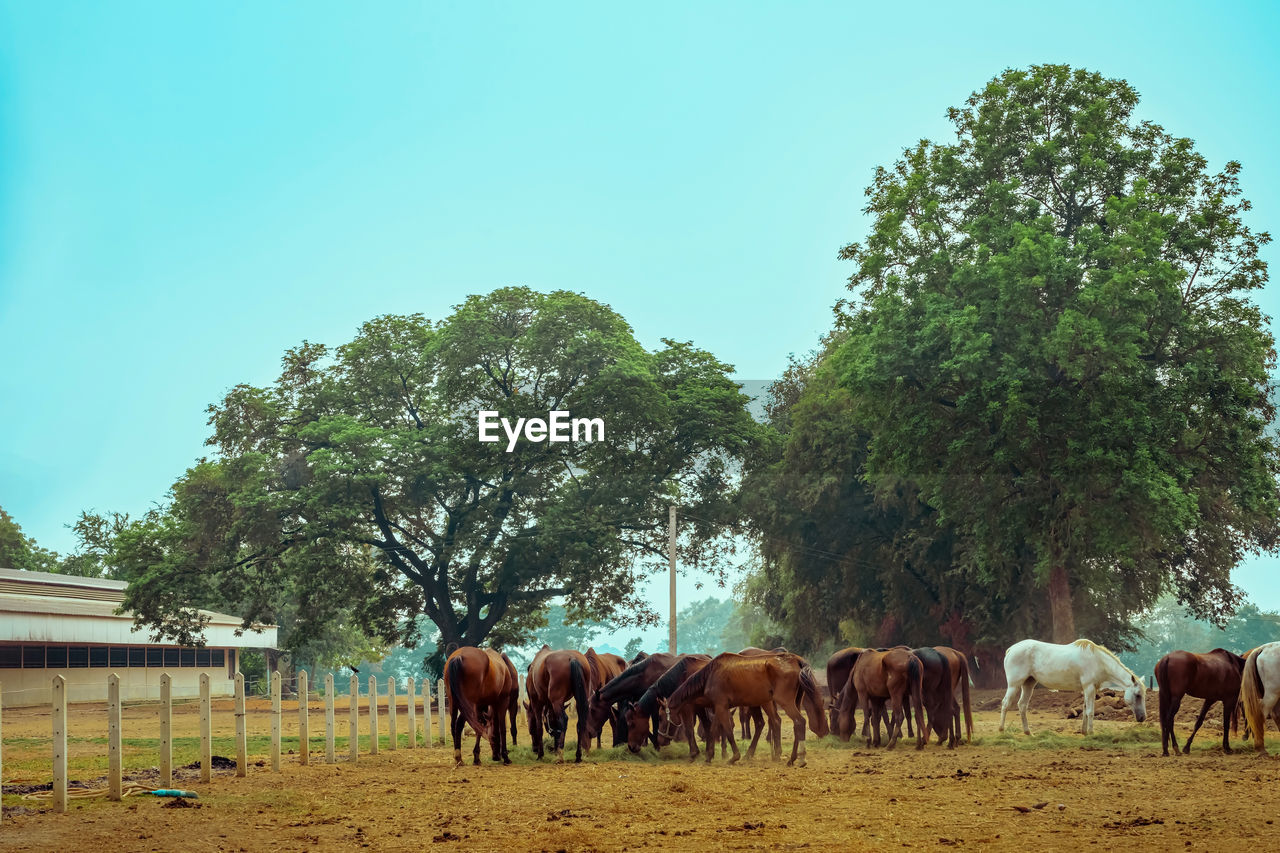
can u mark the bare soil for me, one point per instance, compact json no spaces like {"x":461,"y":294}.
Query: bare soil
{"x":1053,"y":791}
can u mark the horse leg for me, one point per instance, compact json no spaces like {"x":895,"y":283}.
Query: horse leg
{"x":757,"y":717}
{"x":1228,"y":714}
{"x":1168,"y":710}
{"x":1024,"y":702}
{"x":866,"y":719}
{"x":456,"y":725}
{"x":1008,"y":702}
{"x":1204,"y":710}
{"x":797,"y":722}
{"x":895,"y":721}
{"x":775,"y":730}
{"x":1090,"y":697}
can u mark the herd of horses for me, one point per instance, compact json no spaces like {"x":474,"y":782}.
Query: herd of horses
{"x":659,"y":698}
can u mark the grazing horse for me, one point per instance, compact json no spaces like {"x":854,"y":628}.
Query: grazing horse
{"x":937,"y":694}
{"x":1213,"y":677}
{"x":839,"y":666}
{"x":960,"y":690}
{"x":881,"y":677}
{"x":768,"y":682}
{"x":639,"y":714}
{"x":1260,"y":691}
{"x":626,"y":687}
{"x":1083,"y":665}
{"x":604,"y":668}
{"x":478,"y":682}
{"x":554,"y":678}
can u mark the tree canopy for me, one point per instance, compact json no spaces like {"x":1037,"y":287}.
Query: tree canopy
{"x":358,"y":481}
{"x":1052,"y":341}
{"x":1047,"y":400}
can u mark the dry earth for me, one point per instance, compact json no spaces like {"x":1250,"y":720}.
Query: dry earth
{"x":1054,"y":791}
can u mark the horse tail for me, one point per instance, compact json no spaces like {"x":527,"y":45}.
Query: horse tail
{"x":1251,"y":697}
{"x":578,"y":680}
{"x":458,"y":699}
{"x":964,"y":695}
{"x":812,"y":697}
{"x":914,"y":684}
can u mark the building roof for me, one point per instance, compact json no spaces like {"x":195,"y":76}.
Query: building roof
{"x":39,"y":607}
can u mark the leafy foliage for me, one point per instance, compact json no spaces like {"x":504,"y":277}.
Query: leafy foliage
{"x":1053,"y":345}
{"x":357,"y":481}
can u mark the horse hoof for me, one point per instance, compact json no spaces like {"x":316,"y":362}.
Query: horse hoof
{"x":801,"y":763}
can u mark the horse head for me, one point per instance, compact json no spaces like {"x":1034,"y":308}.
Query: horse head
{"x":598,"y":711}
{"x":637,"y":725}
{"x":1135,"y":696}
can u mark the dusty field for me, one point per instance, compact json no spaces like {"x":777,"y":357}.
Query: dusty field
{"x":1053,"y":791}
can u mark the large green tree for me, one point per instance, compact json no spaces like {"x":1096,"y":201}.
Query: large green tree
{"x":1052,"y":343}
{"x":359,"y":481}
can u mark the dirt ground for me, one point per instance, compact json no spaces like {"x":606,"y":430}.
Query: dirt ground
{"x":1053,"y":791}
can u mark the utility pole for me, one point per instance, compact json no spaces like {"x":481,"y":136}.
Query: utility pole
{"x":671,"y":544}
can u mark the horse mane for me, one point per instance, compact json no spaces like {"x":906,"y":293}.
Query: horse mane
{"x":692,"y":687}
{"x":1098,"y":647}
{"x":623,"y":681}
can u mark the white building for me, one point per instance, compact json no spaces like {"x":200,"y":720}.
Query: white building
{"x":65,"y":625}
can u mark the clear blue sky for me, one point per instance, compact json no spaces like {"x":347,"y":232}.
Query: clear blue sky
{"x":186,"y":189}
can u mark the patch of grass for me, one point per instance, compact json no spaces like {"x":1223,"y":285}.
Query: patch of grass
{"x":1132,"y":737}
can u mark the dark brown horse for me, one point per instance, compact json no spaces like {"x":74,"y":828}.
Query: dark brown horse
{"x":885,"y":677}
{"x":839,"y":667}
{"x":626,"y":687}
{"x":937,"y":694}
{"x":604,"y":668}
{"x":960,"y":690}
{"x":554,"y":678}
{"x":768,"y":682}
{"x":1213,"y":677}
{"x":640,"y":713}
{"x":479,"y":682}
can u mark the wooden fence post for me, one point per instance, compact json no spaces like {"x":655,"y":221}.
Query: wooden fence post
{"x":206,"y":730}
{"x":353,"y":738}
{"x":114,"y":772}
{"x":391,"y":713}
{"x":444,"y":726}
{"x":276,"y":689}
{"x":166,"y":730}
{"x":373,"y":715}
{"x":59,"y":744}
{"x":329,"y":757}
{"x":242,"y":742}
{"x":426,"y":710}
{"x":410,"y":691}
{"x":304,"y":730}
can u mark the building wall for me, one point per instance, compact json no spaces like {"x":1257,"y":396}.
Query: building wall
{"x":25,"y":687}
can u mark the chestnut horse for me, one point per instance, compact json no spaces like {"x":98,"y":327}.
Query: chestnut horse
{"x":960,"y":690}
{"x":479,"y":681}
{"x":1213,"y":677}
{"x":839,"y":666}
{"x":627,"y":686}
{"x":769,"y":682}
{"x":643,"y":710}
{"x":881,"y":677}
{"x":554,"y":678}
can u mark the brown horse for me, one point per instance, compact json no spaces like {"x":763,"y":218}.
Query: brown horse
{"x":880,"y":677}
{"x":554,"y":678}
{"x":839,"y":667}
{"x":747,"y":716}
{"x":937,"y":693}
{"x":626,"y":687}
{"x":646,"y":708}
{"x":960,"y":690}
{"x":479,"y":682}
{"x":1213,"y":677}
{"x":604,"y":668}
{"x":769,"y":682}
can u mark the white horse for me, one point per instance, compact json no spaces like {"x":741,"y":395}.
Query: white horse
{"x":1260,"y":691}
{"x":1082,"y":665}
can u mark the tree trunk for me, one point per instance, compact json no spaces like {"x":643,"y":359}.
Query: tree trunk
{"x":1064,"y":621}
